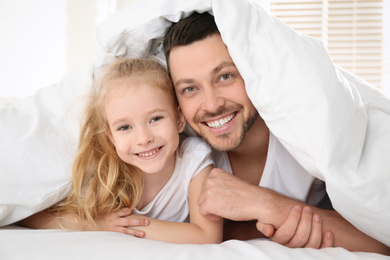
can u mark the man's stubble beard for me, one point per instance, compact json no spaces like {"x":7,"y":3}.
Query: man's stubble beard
{"x":231,"y":144}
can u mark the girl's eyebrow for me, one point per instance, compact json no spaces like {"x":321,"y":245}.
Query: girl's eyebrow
{"x":118,"y":121}
{"x":124,"y":119}
{"x":157,"y":110}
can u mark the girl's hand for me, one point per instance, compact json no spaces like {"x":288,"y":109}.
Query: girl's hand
{"x":119,"y":221}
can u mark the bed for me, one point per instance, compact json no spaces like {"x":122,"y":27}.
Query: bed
{"x":20,"y":243}
{"x":336,"y":125}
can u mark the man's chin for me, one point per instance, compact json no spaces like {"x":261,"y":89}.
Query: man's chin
{"x":222,"y":143}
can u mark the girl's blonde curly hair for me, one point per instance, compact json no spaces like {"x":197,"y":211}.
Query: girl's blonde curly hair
{"x":101,"y":181}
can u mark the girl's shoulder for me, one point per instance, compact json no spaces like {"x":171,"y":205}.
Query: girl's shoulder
{"x":193,"y":156}
{"x":193,"y":145}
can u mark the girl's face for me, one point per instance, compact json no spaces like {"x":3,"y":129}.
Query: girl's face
{"x":143,"y":125}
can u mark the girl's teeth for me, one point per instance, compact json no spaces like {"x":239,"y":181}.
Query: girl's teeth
{"x":221,"y":122}
{"x":149,"y":153}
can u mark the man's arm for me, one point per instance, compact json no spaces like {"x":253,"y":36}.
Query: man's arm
{"x":300,"y":229}
{"x":229,"y":197}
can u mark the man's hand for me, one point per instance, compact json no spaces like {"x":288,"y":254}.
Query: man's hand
{"x":302,"y":228}
{"x":224,"y":195}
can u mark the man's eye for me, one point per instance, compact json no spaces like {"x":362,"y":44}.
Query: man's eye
{"x":189,"y":89}
{"x":225,"y":77}
{"x":155,"y":119}
{"x":124,"y":128}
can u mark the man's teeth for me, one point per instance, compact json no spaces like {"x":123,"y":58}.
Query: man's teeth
{"x":149,"y":153}
{"x":221,"y":122}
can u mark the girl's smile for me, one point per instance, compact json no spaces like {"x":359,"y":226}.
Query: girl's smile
{"x":149,"y":154}
{"x":143,"y":125}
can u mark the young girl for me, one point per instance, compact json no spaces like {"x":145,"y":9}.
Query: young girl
{"x":132,"y":174}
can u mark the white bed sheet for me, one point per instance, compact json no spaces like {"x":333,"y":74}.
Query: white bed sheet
{"x":18,"y":243}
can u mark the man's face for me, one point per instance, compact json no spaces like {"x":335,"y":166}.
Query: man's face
{"x":211,"y":92}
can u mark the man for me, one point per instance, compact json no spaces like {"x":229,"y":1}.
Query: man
{"x":212,"y":96}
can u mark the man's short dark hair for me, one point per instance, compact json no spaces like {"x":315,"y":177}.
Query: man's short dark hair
{"x":188,"y":30}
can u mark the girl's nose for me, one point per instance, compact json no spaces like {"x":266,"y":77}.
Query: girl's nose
{"x":144,"y":136}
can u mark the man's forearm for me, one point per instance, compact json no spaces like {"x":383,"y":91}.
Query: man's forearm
{"x":345,"y":234}
{"x":229,"y":197}
{"x":348,"y":236}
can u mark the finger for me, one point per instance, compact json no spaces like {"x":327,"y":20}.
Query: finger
{"x":124,"y":212}
{"x":134,"y":232}
{"x":201,"y":206}
{"x":212,"y":217}
{"x":205,"y":211}
{"x":287,"y":230}
{"x":316,"y":233}
{"x":201,"y":199}
{"x":302,"y":233}
{"x":134,"y":222}
{"x":204,"y":197}
{"x":328,"y":240}
{"x":267,"y":229}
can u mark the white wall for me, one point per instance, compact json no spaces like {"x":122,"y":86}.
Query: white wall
{"x":80,"y":29}
{"x":42,"y":40}
{"x":32,"y":44}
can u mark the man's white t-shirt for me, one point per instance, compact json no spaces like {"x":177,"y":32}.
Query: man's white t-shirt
{"x":283,"y":174}
{"x":171,"y":203}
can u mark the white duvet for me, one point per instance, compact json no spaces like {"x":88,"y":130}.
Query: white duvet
{"x":335,"y":125}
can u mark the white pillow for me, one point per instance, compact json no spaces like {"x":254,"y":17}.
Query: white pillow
{"x":39,"y":141}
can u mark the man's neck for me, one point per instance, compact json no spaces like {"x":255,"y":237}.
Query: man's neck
{"x":248,"y":160}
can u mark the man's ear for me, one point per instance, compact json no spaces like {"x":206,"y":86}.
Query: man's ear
{"x":109,"y":134}
{"x":181,"y":122}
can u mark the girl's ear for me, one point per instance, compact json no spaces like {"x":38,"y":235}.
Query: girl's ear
{"x":181,"y":122}
{"x":109,"y":134}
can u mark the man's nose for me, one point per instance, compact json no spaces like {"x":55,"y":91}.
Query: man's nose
{"x":213,"y":99}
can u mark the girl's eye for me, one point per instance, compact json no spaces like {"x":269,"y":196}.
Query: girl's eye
{"x":124,"y":128}
{"x":155,"y":119}
{"x":225,"y":77}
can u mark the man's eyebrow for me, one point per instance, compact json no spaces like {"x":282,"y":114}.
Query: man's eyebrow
{"x":214,"y":71}
{"x":184,"y":81}
{"x":223,"y":65}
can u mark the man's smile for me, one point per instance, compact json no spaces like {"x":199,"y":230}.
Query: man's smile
{"x":220,"y":122}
